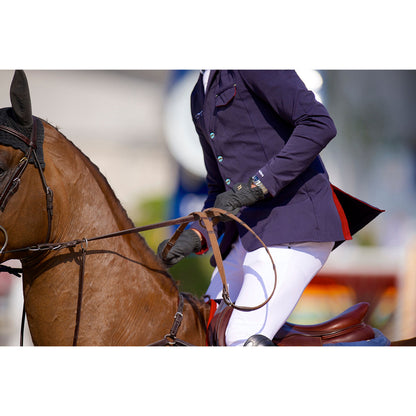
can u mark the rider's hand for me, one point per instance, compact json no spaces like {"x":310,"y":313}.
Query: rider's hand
{"x":188,"y":242}
{"x":240,"y":196}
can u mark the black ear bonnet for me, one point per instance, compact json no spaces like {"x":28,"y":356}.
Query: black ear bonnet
{"x":19,"y":117}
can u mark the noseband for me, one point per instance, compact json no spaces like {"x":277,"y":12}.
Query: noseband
{"x":13,"y":183}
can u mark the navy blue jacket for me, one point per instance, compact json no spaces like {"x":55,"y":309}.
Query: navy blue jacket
{"x":267,"y":123}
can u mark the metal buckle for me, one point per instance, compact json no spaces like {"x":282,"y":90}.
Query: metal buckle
{"x":227,"y":299}
{"x":173,"y":338}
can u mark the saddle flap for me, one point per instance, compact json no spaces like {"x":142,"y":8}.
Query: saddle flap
{"x":218,"y":326}
{"x":351,"y":317}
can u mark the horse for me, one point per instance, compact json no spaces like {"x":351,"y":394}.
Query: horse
{"x":80,"y":290}
{"x":124,"y":283}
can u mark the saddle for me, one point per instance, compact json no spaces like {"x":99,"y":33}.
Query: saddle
{"x":349,"y":326}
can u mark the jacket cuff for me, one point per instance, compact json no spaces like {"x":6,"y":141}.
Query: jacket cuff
{"x":266,"y":178}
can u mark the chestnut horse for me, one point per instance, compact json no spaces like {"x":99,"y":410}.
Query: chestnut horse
{"x":128,"y":297}
{"x":91,"y":291}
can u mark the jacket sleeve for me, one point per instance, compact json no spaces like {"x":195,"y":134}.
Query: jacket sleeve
{"x":313,"y":128}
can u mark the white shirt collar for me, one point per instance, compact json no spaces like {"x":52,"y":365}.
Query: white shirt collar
{"x":205,"y":78}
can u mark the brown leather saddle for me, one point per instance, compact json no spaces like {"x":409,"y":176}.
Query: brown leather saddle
{"x":349,"y":326}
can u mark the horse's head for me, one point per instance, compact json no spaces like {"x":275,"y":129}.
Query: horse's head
{"x":23,"y":208}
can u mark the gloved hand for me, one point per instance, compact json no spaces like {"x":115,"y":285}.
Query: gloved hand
{"x":241,"y":195}
{"x":188,"y":242}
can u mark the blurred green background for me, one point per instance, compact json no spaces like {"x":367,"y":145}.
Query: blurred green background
{"x":193,"y":273}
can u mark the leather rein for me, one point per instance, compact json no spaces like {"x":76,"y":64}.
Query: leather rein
{"x":207,"y":219}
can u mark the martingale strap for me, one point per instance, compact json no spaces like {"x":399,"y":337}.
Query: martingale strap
{"x":170,"y":339}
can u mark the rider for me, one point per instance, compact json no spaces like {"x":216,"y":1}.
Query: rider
{"x":261,"y":133}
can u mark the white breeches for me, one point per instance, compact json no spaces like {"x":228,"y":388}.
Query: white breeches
{"x":250,"y":280}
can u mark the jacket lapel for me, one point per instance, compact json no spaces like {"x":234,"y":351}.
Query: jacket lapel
{"x":212,"y":75}
{"x":209,"y":101}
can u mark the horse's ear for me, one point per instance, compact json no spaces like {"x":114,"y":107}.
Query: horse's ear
{"x":20,"y":99}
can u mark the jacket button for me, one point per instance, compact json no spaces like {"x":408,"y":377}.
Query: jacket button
{"x":227,"y":181}
{"x":220,"y":158}
{"x":212,"y":135}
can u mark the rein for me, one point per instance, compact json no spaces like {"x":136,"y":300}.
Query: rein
{"x":73,"y":243}
{"x":208,"y":218}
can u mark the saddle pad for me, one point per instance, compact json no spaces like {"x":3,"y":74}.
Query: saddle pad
{"x":379,"y":340}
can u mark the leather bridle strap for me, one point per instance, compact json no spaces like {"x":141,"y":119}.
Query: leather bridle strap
{"x":13,"y":184}
{"x":170,"y":339}
{"x":30,"y":142}
{"x":80,"y":292}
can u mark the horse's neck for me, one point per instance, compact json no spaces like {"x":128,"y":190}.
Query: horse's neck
{"x":85,"y":205}
{"x":88,"y":204}
{"x":125,"y":288}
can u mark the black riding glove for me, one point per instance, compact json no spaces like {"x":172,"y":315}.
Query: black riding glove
{"x":188,"y":242}
{"x":241,"y":195}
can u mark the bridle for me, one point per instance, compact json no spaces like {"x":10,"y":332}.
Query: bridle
{"x":13,"y":183}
